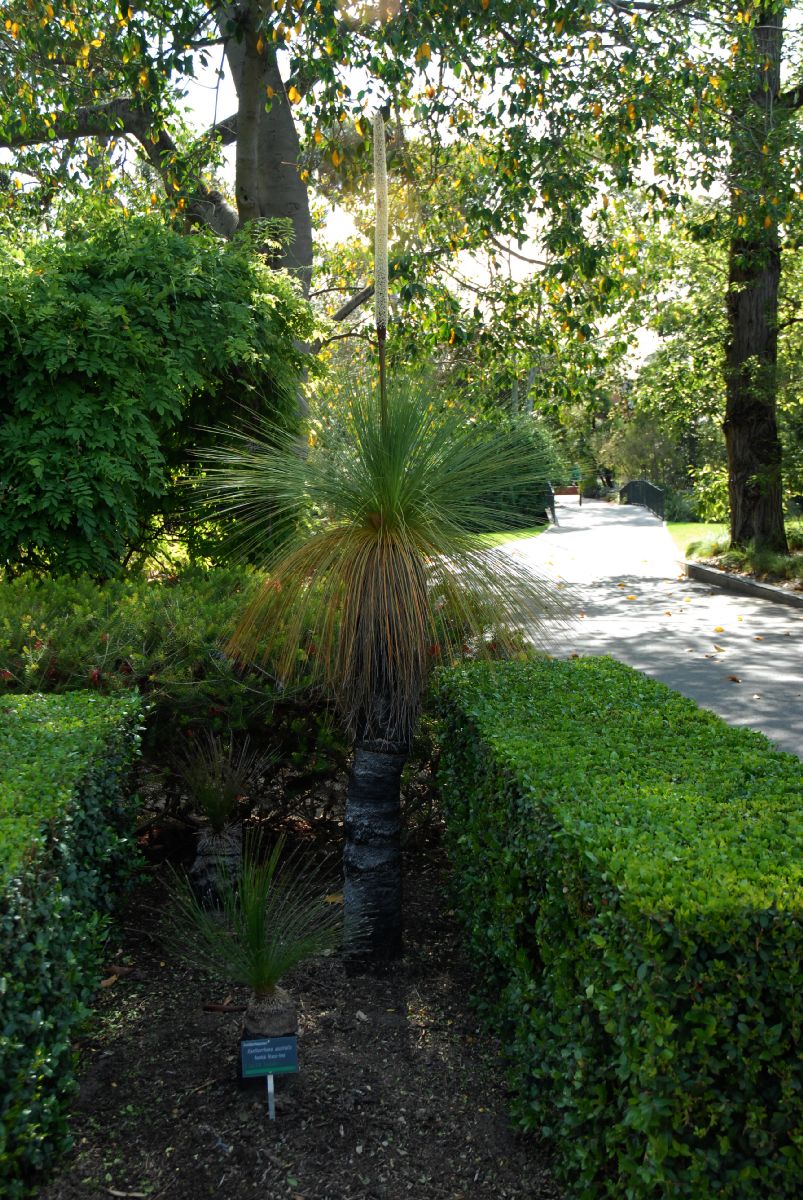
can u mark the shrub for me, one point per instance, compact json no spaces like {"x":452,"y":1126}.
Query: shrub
{"x":64,"y":813}
{"x":162,"y":637}
{"x":711,"y":500}
{"x":679,"y":506}
{"x":629,"y":868}
{"x":118,"y":339}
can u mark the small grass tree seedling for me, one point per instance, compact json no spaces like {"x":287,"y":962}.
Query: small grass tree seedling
{"x":273,"y":918}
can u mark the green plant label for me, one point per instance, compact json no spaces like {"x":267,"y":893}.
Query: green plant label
{"x":269,"y":1056}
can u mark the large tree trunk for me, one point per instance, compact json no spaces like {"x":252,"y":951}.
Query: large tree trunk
{"x":282,"y":191}
{"x":273,"y":150}
{"x":372,"y":856}
{"x":751,"y":432}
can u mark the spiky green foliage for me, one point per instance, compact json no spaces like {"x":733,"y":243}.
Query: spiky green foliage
{"x":380,"y":572}
{"x":275,"y":916}
{"x":218,"y":772}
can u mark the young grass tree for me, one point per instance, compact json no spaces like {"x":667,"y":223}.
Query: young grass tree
{"x":271,"y":918}
{"x":380,"y":576}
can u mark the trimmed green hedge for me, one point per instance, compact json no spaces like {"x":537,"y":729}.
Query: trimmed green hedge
{"x":630,"y":869}
{"x":64,"y":814}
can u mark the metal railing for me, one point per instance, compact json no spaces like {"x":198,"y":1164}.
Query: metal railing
{"x":641,"y":491}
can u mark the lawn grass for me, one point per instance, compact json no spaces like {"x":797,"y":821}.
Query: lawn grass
{"x":509,"y":535}
{"x":684,"y":532}
{"x":709,"y":542}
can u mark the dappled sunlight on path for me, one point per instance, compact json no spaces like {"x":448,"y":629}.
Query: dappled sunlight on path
{"x":740,"y":657}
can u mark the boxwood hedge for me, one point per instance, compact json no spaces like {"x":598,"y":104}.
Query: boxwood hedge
{"x":64,"y":814}
{"x":630,"y":870}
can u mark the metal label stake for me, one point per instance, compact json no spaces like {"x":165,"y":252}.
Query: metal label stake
{"x":271,"y":1099}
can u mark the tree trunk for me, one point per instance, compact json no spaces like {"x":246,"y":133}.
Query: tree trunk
{"x":751,"y":431}
{"x":372,"y":856}
{"x":280,"y":190}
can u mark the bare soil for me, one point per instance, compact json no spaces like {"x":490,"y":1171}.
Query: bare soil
{"x":399,"y":1092}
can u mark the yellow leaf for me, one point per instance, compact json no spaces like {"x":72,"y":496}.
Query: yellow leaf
{"x":423,"y":52}
{"x":270,"y":92}
{"x":143,"y":77}
{"x":293,"y":94}
{"x":719,"y":629}
{"x":559,"y":26}
{"x":630,"y":597}
{"x":767,"y":222}
{"x":260,"y":44}
{"x":317,"y":137}
{"x":336,"y":159}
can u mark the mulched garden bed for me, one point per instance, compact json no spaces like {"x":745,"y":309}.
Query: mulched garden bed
{"x":399,"y":1093}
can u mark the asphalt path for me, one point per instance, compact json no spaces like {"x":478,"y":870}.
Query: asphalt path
{"x":738,"y":656}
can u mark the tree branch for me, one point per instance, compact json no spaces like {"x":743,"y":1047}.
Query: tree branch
{"x":226,"y":130}
{"x":348,"y":308}
{"x":535,"y":262}
{"x":96,"y":120}
{"x":119,"y":117}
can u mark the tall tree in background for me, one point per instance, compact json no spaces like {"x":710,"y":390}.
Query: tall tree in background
{"x":676,"y":98}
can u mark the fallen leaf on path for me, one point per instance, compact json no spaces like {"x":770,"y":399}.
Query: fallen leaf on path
{"x":719,"y":629}
{"x":668,"y":613}
{"x":631,"y":597}
{"x":109,"y":981}
{"x":734,"y":679}
{"x":621,"y":585}
{"x":758,"y":638}
{"x":719,"y":649}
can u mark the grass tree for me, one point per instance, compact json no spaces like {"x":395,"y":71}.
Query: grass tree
{"x":217,"y":776}
{"x":380,"y":576}
{"x":271,"y":918}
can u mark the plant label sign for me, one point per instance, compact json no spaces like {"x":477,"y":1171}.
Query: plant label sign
{"x":269,"y":1056}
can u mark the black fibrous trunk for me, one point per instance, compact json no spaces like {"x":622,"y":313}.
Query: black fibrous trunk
{"x":372,"y":856}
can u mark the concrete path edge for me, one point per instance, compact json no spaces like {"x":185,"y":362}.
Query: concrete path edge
{"x":743,"y":587}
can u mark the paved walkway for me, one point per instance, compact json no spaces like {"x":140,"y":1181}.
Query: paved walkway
{"x":739,"y":656}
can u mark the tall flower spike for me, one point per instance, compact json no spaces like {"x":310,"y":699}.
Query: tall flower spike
{"x":381,"y":253}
